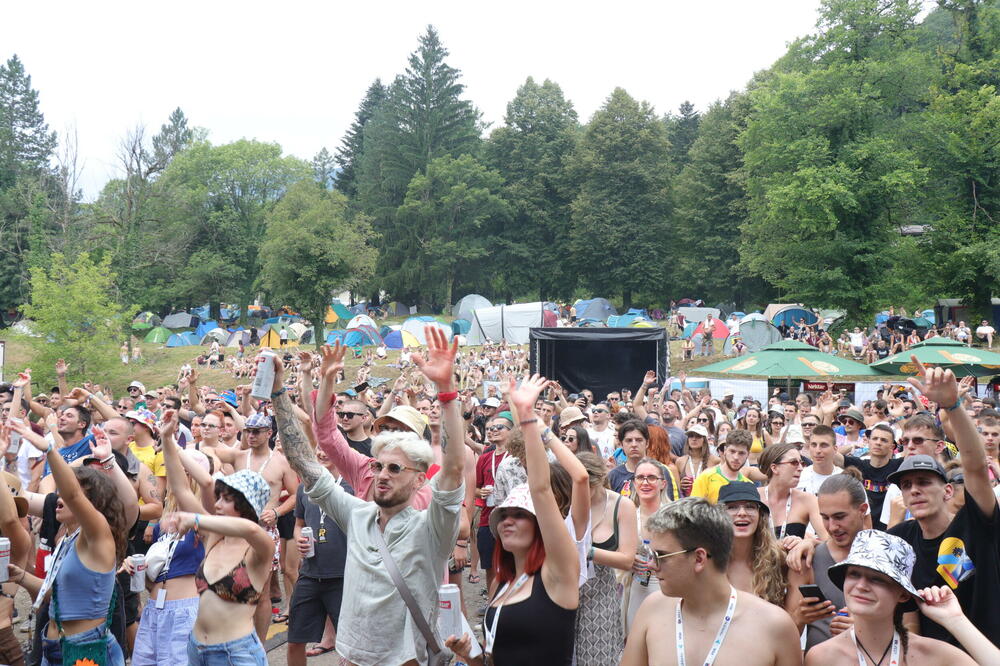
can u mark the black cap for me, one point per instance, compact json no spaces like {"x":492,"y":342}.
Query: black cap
{"x":741,"y":491}
{"x":918,"y":463}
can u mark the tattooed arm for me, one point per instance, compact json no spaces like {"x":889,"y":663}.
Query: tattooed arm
{"x":296,"y":445}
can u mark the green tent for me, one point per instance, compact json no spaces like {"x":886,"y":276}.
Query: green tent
{"x":158,"y":335}
{"x":790,"y":358}
{"x":341,"y":311}
{"x":946,"y":353}
{"x":145,"y":320}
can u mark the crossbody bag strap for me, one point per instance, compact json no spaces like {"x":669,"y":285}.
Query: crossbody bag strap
{"x":404,"y":591}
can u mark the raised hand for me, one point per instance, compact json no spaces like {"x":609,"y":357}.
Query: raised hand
{"x":333,"y":360}
{"x":936,"y":384}
{"x":100,"y":448}
{"x":305,"y":361}
{"x":649,"y":379}
{"x":23,"y":378}
{"x":439,"y":366}
{"x":168,"y":424}
{"x":523,"y":397}
{"x":939,"y":604}
{"x":61,"y":367}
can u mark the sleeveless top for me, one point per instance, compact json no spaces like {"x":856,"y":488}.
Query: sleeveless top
{"x":187,"y":557}
{"x":84,"y":594}
{"x":234,"y":587}
{"x":611,"y":543}
{"x":533,"y":631}
{"x":819,"y":631}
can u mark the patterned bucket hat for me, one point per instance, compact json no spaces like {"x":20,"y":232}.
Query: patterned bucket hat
{"x":518,"y":498}
{"x":144,"y":417}
{"x":252,"y":486}
{"x":887,"y":554}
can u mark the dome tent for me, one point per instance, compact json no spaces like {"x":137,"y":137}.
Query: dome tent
{"x":461,"y":326}
{"x":415,"y":327}
{"x":594,"y":308}
{"x":186,"y":339}
{"x":158,"y":335}
{"x":219,"y":335}
{"x":362,"y":320}
{"x":719,"y":329}
{"x":180,"y":320}
{"x":468,"y":304}
{"x":756,"y":333}
{"x":789,"y":314}
{"x":400,"y":339}
{"x":508,"y":322}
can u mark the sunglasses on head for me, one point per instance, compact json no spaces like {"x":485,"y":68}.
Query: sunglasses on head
{"x":393,"y":468}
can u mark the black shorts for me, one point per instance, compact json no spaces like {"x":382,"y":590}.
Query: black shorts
{"x":130,"y":604}
{"x":313,"y":600}
{"x":485,"y":542}
{"x":286,"y":525}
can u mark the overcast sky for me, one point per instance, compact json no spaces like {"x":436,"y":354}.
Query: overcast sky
{"x":294,"y":72}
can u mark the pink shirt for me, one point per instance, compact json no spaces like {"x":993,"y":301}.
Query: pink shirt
{"x":352,"y":465}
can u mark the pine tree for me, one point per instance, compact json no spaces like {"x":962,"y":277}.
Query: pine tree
{"x":174,"y":136}
{"x":26,"y":145}
{"x":324,"y":169}
{"x":353,"y":143}
{"x":682,"y":130}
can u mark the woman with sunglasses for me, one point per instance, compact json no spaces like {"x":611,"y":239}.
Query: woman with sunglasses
{"x":498,"y":433}
{"x":790,"y":510}
{"x":577,"y":439}
{"x":651,"y":493}
{"x":531,"y":618}
{"x":776,"y":427}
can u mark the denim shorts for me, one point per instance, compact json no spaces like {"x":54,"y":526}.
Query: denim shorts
{"x":162,"y":639}
{"x":246,"y":651}
{"x":52,"y":650}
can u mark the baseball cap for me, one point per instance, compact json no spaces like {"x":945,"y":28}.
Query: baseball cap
{"x":406,"y":415}
{"x":138,"y":385}
{"x":257,"y":420}
{"x":697,"y":429}
{"x":918,"y":463}
{"x":491,"y":402}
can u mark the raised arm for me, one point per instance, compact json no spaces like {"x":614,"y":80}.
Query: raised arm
{"x":941,"y":386}
{"x":580,"y":495}
{"x":194,"y":395}
{"x":562,"y":566}
{"x":176,"y":476}
{"x":298,"y":450}
{"x":10,"y":524}
{"x":262,"y":547}
{"x":61,"y":368}
{"x":638,"y":402}
{"x":439,"y":367}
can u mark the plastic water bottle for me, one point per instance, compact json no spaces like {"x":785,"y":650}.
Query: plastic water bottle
{"x":264,"y":379}
{"x":647,"y":553}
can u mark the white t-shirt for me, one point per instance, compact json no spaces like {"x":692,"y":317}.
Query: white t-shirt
{"x":810,"y":481}
{"x":892,"y":493}
{"x":962,"y":333}
{"x":603,"y":441}
{"x":26,"y":456}
{"x":857,"y":339}
{"x":985,"y":330}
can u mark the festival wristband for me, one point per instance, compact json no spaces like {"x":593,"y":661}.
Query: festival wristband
{"x":447,"y":397}
{"x":527,"y":422}
{"x":277,"y":393}
{"x":958,"y":403}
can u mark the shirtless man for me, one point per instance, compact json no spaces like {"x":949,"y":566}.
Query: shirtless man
{"x":692,"y":541}
{"x":272,"y":465}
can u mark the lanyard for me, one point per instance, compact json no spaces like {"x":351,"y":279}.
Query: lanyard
{"x":493,"y":465}
{"x":62,"y":550}
{"x":893,"y":658}
{"x":491,"y":631}
{"x":788,"y":509}
{"x":174,"y":540}
{"x":719,"y":637}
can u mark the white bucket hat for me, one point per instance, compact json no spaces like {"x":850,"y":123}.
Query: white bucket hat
{"x":881,"y":552}
{"x":252,"y":486}
{"x":519,"y":498}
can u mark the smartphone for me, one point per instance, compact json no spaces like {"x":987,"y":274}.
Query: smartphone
{"x":812,"y":591}
{"x":361,"y":388}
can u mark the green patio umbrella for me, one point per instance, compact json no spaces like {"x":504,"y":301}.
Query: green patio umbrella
{"x":946,"y":353}
{"x":791,"y":358}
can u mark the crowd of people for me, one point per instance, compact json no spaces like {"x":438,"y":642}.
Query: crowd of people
{"x":176,"y":524}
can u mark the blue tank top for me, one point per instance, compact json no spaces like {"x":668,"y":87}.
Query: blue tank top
{"x":187,"y":557}
{"x":84,"y":594}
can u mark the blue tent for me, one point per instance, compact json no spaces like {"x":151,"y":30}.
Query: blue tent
{"x":204,"y":327}
{"x":625,"y":320}
{"x":360,"y":308}
{"x":394,"y":340}
{"x":356,"y":337}
{"x":594,"y":308}
{"x":639,"y":312}
{"x":202,"y":311}
{"x":334,"y":335}
{"x":929,"y":316}
{"x":186,"y":339}
{"x":881,"y":318}
{"x":790,"y":317}
{"x":461,"y":326}
{"x":229,"y":314}
{"x":689,"y":329}
{"x":385,"y":330}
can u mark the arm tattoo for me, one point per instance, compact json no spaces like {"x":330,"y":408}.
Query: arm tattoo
{"x":298,"y":450}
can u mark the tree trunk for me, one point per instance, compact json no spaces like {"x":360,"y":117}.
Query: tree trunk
{"x":448,"y":286}
{"x":318,"y":322}
{"x":626,"y":298}
{"x":244,"y":307}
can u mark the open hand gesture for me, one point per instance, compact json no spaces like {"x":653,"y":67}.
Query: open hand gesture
{"x":439,"y":366}
{"x":305,"y":361}
{"x":100,"y":448}
{"x":649,"y":379}
{"x":936,"y":384}
{"x":61,"y":367}
{"x":168,"y":424}
{"x":23,"y":378}
{"x":523,"y":397}
{"x":333,"y":360}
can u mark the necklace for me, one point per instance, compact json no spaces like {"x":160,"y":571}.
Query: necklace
{"x":893,"y":645}
{"x":720,"y":636}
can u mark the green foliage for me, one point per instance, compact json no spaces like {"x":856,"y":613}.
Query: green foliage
{"x":682,"y":130}
{"x":451,"y":214}
{"x":530,"y":151}
{"x":76,"y":316}
{"x":352,"y":146}
{"x":26,"y":144}
{"x":620,"y":217}
{"x":312,"y":249}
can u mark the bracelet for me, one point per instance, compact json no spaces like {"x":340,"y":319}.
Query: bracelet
{"x":527,"y":421}
{"x":463,"y":545}
{"x":197,"y":522}
{"x":958,"y":403}
{"x":108,"y":459}
{"x":49,"y":450}
{"x":447,"y":397}
{"x":279,"y":392}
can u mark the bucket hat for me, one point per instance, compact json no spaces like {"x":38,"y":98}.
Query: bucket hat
{"x":144,"y":417}
{"x":741,"y":491}
{"x":251,"y":486}
{"x":408,"y":416}
{"x":882,"y":552}
{"x":697,"y":429}
{"x":570,"y":415}
{"x":518,"y":498}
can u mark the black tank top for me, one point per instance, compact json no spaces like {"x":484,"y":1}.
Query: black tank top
{"x":533,"y":631}
{"x":611,"y":543}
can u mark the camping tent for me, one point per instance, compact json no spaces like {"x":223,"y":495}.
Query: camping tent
{"x":298,"y":328}
{"x":145,"y":320}
{"x":397,"y":309}
{"x":357,"y":337}
{"x":186,"y":339}
{"x":272,"y":338}
{"x":507,"y":322}
{"x":400,"y":339}
{"x":468,"y":304}
{"x":697,"y":314}
{"x":219,"y":335}
{"x":638,"y":311}
{"x":625,"y":320}
{"x":594,"y":308}
{"x":719,"y":329}
{"x":360,"y":308}
{"x":204,"y":327}
{"x":756,"y":333}
{"x":415,"y":327}
{"x":362,"y":320}
{"x":789,"y":314}
{"x":180,"y":320}
{"x":307,"y":336}
{"x":337,"y":313}
{"x":238,"y":336}
{"x":460,"y":326}
{"x":335,"y":335}
{"x":158,"y":335}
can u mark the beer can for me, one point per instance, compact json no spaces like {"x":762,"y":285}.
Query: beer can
{"x":4,"y":557}
{"x":491,"y":499}
{"x":450,"y":611}
{"x":263,"y":381}
{"x":138,"y":582}
{"x":308,"y":532}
